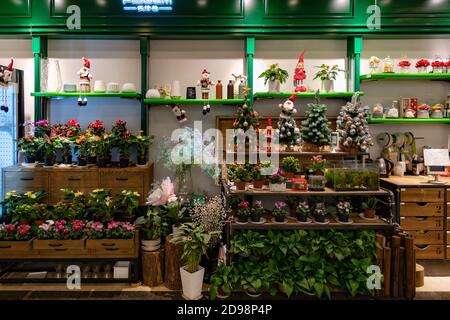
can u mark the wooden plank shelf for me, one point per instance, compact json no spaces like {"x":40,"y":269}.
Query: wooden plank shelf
{"x":61,"y":95}
{"x":407,"y":120}
{"x":328,"y":95}
{"x":358,"y":224}
{"x":406,"y":76}
{"x":194,"y":101}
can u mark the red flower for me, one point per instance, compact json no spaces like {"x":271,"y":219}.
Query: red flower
{"x":438,"y":64}
{"x":73,"y":123}
{"x":244,"y":204}
{"x":422,"y":63}
{"x":10,"y":227}
{"x":404,"y":63}
{"x":121,"y":123}
{"x":23,"y":229}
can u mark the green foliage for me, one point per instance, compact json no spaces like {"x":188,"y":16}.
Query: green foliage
{"x":127,"y":200}
{"x":370,"y":203}
{"x":274,"y":72}
{"x":239,"y":173}
{"x":345,"y":179}
{"x":290,"y":164}
{"x":304,"y":261}
{"x":72,"y":207}
{"x":224,"y":279}
{"x":150,"y":225}
{"x":327,"y":72}
{"x":315,"y":129}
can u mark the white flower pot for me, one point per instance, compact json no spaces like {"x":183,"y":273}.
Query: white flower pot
{"x":192,"y":283}
{"x":327,"y":86}
{"x":278,"y":187}
{"x":151,"y":245}
{"x":422,"y":70}
{"x":274,"y":86}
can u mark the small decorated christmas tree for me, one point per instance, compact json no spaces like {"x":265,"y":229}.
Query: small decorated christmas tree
{"x":246,"y":116}
{"x":287,"y":131}
{"x":315,"y":129}
{"x":352,"y":126}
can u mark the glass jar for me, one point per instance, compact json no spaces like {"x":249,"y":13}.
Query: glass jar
{"x":436,"y":111}
{"x":378,"y":111}
{"x":394,"y":110}
{"x":423,"y":112}
{"x":388,"y":65}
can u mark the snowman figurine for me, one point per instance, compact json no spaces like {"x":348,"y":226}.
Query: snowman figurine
{"x":288,"y":108}
{"x":179,"y":113}
{"x":85,"y":81}
{"x":6,"y":73}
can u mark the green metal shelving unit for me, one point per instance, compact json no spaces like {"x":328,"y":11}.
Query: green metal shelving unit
{"x":337,"y":95}
{"x":412,"y":120}
{"x":406,"y":76}
{"x":193,"y":101}
{"x":51,"y":95}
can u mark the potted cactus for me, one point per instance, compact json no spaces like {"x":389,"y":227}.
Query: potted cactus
{"x":370,"y":207}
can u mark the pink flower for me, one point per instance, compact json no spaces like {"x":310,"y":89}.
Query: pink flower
{"x":97,"y":226}
{"x":121,"y":123}
{"x":113,"y":225}
{"x":243,"y":204}
{"x":73,"y":123}
{"x":280,"y":205}
{"x":10,"y":227}
{"x":163,"y":194}
{"x":66,"y":231}
{"x":23,"y":229}
{"x":317,"y":158}
{"x":77,"y":224}
{"x":127,"y":226}
{"x":42,"y":123}
{"x":44,"y":227}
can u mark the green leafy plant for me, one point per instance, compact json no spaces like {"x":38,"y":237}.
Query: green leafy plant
{"x":72,"y":207}
{"x":150,"y":225}
{"x":239,"y":173}
{"x":223,"y":281}
{"x":28,"y":145}
{"x":290,"y":164}
{"x":327,"y":72}
{"x":195,"y":243}
{"x":370,"y":203}
{"x":292,"y":202}
{"x":127,"y":200}
{"x":101,"y":204}
{"x":273,"y":73}
{"x":246,"y":243}
{"x":143,"y":142}
{"x":278,"y":177}
{"x":318,"y":165}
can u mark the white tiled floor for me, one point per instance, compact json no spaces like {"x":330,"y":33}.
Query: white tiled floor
{"x":435,"y":284}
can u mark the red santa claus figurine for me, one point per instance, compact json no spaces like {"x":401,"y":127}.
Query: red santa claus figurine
{"x":85,"y":76}
{"x":300,"y":74}
{"x":179,"y":113}
{"x":205,"y":84}
{"x":288,"y":107}
{"x":6,"y":73}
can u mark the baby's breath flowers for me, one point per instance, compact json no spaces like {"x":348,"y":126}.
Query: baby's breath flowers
{"x":211,"y":216}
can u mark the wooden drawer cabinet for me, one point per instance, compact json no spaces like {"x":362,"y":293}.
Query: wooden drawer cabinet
{"x":429,"y":252}
{"x":74,"y":179}
{"x":427,"y":237}
{"x":124,"y":180}
{"x":422,"y":195}
{"x":425,"y":209}
{"x":422,"y":223}
{"x":59,"y":245}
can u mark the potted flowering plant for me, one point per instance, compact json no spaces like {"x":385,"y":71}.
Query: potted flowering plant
{"x":257,"y":177}
{"x":290,"y":166}
{"x":143,"y":142}
{"x":344,"y":209}
{"x":66,"y":148}
{"x":277,"y":181}
{"x":72,"y":207}
{"x":244,"y":211}
{"x":101,"y":204}
{"x":404,"y":66}
{"x":280,"y":211}
{"x":328,"y":75}
{"x":303,"y":211}
{"x":103,"y":148}
{"x":15,"y":239}
{"x":110,"y":237}
{"x":96,"y":128}
{"x":438,"y":66}
{"x":29,"y":146}
{"x":275,"y":76}
{"x":49,"y":147}
{"x":369,"y":206}
{"x":60,"y":235}
{"x":423,"y":111}
{"x":42,"y":128}
{"x":150,"y":227}
{"x":239,"y":175}
{"x":195,"y":241}
{"x":12,"y":200}
{"x":82,"y":145}
{"x":127,"y":201}
{"x":26,"y":213}
{"x":422,"y":65}
{"x":316,"y":172}
{"x":121,"y":138}
{"x":257,"y":211}
{"x":320,"y":212}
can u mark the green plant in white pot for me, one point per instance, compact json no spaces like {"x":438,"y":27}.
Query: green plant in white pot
{"x":150,"y":226}
{"x":195,"y":241}
{"x":275,"y":76}
{"x":328,"y":75}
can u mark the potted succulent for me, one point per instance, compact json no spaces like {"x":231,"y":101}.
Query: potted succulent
{"x":277,"y":181}
{"x":150,"y":227}
{"x":143,"y":143}
{"x":344,"y":209}
{"x":244,"y":211}
{"x":195,"y":243}
{"x":328,"y":75}
{"x":303,"y":211}
{"x":275,"y":76}
{"x":223,"y":282}
{"x":257,"y":177}
{"x":369,"y":206}
{"x":280,"y":211}
{"x":422,"y":65}
{"x":29,"y":147}
{"x":320,"y":212}
{"x":239,"y":175}
{"x":257,"y":211}
{"x":290,"y":166}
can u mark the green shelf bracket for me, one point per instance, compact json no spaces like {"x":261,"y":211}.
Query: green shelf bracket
{"x":144,"y":50}
{"x":354,"y":50}
{"x":40,"y":50}
{"x":250,"y":43}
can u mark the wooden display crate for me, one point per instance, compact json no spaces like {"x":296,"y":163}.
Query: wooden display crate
{"x":8,"y":248}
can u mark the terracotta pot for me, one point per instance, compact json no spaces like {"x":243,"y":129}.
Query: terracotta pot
{"x":258,"y":184}
{"x":369,"y":213}
{"x":240,"y":185}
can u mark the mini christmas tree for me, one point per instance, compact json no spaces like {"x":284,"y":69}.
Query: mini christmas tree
{"x":352,"y":126}
{"x":246,"y":116}
{"x":315,"y":129}
{"x":287,"y":131}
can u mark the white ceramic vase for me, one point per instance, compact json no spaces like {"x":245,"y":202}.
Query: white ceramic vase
{"x":274,"y":86}
{"x":54,"y":81}
{"x":151,"y":245}
{"x":176,"y":90}
{"x":327,"y":86}
{"x":192,"y":283}
{"x":422,"y":70}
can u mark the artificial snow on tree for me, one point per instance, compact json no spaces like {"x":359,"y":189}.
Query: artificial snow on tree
{"x":315,"y":129}
{"x":287,"y":131}
{"x":352,"y":126}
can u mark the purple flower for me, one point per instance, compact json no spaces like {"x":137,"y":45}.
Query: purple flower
{"x":280,"y":205}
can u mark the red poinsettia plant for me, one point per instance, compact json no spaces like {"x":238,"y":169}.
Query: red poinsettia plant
{"x":42,"y":128}
{"x":438,"y":64}
{"x":96,"y":128}
{"x":404,"y":64}
{"x":72,"y":129}
{"x":422,"y":63}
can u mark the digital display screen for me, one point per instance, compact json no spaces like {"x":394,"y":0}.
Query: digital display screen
{"x":148,"y":6}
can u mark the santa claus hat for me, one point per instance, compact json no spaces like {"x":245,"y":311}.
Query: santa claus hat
{"x":87,"y":63}
{"x":293,"y":97}
{"x":205,"y":71}
{"x":10,"y":66}
{"x":302,"y":56}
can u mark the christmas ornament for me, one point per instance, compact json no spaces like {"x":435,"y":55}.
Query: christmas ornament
{"x":288,"y":135}
{"x":352,"y":126}
{"x":85,"y":81}
{"x":300,"y":74}
{"x":205,"y":84}
{"x":6,"y":73}
{"x":179,"y":113}
{"x":315,"y":129}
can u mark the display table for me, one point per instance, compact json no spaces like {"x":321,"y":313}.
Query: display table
{"x":422,"y":209}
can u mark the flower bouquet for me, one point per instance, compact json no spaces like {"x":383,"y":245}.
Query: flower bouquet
{"x":422,"y":65}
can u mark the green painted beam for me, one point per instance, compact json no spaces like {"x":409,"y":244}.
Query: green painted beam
{"x":249,"y":54}
{"x":269,"y":95}
{"x":193,"y":101}
{"x":40,"y":49}
{"x":412,"y":120}
{"x":406,"y":76}
{"x":50,"y":95}
{"x":354,"y":50}
{"x":144,"y":50}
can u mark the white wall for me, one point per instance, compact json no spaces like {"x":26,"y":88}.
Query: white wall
{"x":385,"y":92}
